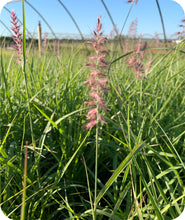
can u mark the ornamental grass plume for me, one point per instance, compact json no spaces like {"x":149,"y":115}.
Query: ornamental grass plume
{"x":132,"y":33}
{"x":136,"y":60}
{"x":17,"y":37}
{"x":182,"y":33}
{"x":97,"y":81}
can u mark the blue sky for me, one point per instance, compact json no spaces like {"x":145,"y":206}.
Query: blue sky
{"x":86,"y":12}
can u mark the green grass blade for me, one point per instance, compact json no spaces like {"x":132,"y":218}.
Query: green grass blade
{"x":176,"y":153}
{"x":5,"y":82}
{"x":60,"y":175}
{"x":169,"y":205}
{"x":168,"y":100}
{"x":161,"y":190}
{"x":120,"y":199}
{"x":4,"y":140}
{"x":153,"y":201}
{"x":120,"y":168}
{"x":89,"y":189}
{"x":55,"y":124}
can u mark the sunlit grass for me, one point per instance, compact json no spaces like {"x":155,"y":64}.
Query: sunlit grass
{"x":140,"y":157}
{"x":141,"y":147}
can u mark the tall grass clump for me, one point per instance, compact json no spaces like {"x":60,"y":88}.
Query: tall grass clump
{"x":111,"y":147}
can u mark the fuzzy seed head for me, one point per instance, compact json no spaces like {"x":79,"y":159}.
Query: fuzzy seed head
{"x":97,"y":81}
{"x":16,"y":37}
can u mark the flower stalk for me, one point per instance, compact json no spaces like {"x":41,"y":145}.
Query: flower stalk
{"x":23,"y":207}
{"x":97,"y":81}
{"x":135,"y":60}
{"x":97,"y":84}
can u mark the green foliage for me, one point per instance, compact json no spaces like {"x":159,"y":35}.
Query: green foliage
{"x":141,"y":153}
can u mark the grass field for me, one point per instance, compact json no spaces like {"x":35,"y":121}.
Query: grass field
{"x":140,"y":160}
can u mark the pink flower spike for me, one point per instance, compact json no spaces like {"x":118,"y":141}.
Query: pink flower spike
{"x":97,"y":79}
{"x":17,"y":37}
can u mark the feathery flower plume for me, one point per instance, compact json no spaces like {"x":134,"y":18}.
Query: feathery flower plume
{"x":97,"y":81}
{"x":136,"y":60}
{"x":17,"y":37}
{"x":133,"y":29}
{"x":132,"y":33}
{"x":182,"y":33}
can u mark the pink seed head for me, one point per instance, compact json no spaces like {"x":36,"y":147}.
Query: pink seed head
{"x":97,"y":80}
{"x":16,"y":37}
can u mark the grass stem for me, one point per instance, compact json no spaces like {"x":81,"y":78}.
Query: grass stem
{"x":23,"y":208}
{"x":96,"y":170}
{"x":24,"y":73}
